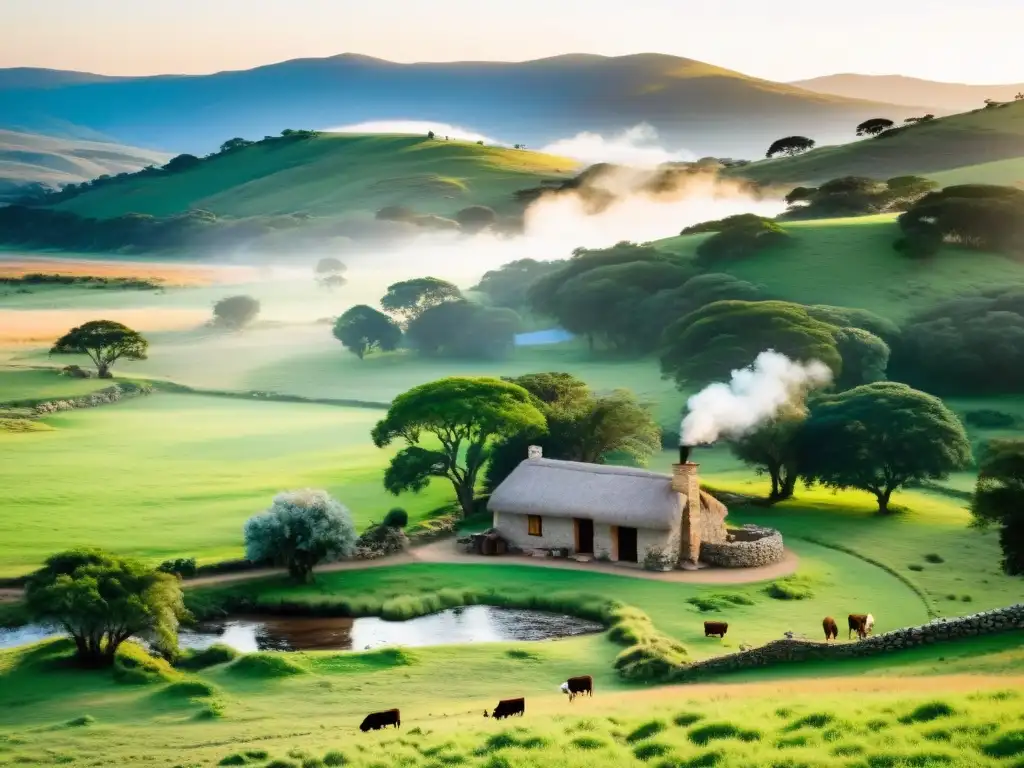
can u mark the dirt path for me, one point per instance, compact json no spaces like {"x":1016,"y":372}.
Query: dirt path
{"x":444,"y":551}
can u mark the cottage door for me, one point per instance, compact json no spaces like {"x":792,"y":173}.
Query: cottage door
{"x":627,"y":545}
{"x":584,"y":536}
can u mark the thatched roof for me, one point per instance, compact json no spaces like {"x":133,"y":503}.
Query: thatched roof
{"x":611,"y":495}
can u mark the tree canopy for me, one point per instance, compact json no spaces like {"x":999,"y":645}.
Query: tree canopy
{"x":774,"y":449}
{"x":874,"y":126}
{"x":465,"y":416}
{"x":102,"y":600}
{"x":476,"y":218}
{"x":790,"y":146}
{"x":235,"y":312}
{"x":977,"y":216}
{"x":580,"y":426}
{"x":409,"y":299}
{"x":880,"y":437}
{"x":329,"y":272}
{"x":105,"y":342}
{"x":707,"y":345}
{"x":362,"y":329}
{"x":971,"y":344}
{"x":739,"y":237}
{"x":507,"y":286}
{"x":300,"y":530}
{"x":464,"y":329}
{"x":999,"y":498}
{"x":856,"y":196}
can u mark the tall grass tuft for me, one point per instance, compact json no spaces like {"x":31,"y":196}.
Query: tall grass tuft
{"x":265,"y":665}
{"x":217,"y":653}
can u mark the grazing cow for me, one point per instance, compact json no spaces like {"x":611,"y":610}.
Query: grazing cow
{"x":831,"y":628}
{"x":507,"y":708}
{"x":861,"y":623}
{"x":377,"y":720}
{"x":715,"y":628}
{"x":576,"y":686}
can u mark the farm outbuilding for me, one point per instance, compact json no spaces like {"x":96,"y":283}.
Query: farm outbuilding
{"x":623,"y":514}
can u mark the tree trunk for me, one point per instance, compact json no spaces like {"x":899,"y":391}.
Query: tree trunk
{"x":104,"y":371}
{"x":883,"y":500}
{"x":465,"y":497}
{"x":788,"y":486}
{"x":300,"y":572}
{"x":773,"y":472}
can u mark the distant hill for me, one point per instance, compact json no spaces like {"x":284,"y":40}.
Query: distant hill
{"x":331,"y":175}
{"x":705,"y":109}
{"x":31,"y":159}
{"x":983,"y":136}
{"x":897,"y":89}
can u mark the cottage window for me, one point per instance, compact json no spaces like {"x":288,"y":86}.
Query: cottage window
{"x":534,"y":526}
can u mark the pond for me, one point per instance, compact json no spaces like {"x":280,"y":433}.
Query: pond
{"x":470,"y":624}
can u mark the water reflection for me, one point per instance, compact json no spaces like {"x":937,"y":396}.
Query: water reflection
{"x":470,"y":624}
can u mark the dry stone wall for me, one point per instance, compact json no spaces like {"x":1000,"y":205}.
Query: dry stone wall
{"x":752,"y":546}
{"x":936,"y":631}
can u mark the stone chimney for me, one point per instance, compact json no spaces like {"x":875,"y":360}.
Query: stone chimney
{"x":686,"y":481}
{"x":534,"y":452}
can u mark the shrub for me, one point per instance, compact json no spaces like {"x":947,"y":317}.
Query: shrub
{"x":134,"y":666}
{"x":396,"y":518}
{"x":257,"y":754}
{"x":236,"y":759}
{"x":334,"y":757}
{"x":740,"y":240}
{"x":915,"y":567}
{"x":189,"y":689}
{"x":813,"y":720}
{"x":718,"y":602}
{"x":686,"y":719}
{"x":791,"y":588}
{"x":927,"y":712}
{"x":934,"y":558}
{"x":218,"y":653}
{"x":647,"y":751}
{"x":81,"y":721}
{"x":281,"y":763}
{"x":587,"y":743}
{"x":715,"y":731}
{"x":988,"y":418}
{"x":183,"y":567}
{"x":212,"y":711}
{"x":1009,"y":744}
{"x":646,"y":731}
{"x":265,"y":665}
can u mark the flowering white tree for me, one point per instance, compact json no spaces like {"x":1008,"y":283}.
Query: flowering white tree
{"x":300,"y":530}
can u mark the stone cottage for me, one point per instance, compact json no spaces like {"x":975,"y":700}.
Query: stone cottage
{"x":625,"y":514}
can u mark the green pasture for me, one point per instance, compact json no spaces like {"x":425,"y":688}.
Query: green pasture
{"x":1009,"y":172}
{"x":27,"y":384}
{"x":332,"y":175}
{"x":852,"y":263}
{"x":177,"y":475}
{"x":308,"y":711}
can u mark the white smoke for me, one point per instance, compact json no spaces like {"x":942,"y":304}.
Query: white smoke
{"x":415,"y":127}
{"x":636,"y":146}
{"x":753,"y":395}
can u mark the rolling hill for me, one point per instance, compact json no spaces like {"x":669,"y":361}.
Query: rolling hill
{"x":330,"y":175}
{"x":984,"y":136}
{"x":32,"y":159}
{"x":852,"y":263}
{"x":897,"y":89}
{"x":708,"y":109}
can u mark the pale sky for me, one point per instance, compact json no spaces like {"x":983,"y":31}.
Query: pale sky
{"x":972,"y":41}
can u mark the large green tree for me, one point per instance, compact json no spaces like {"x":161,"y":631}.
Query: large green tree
{"x":235,"y":312}
{"x":105,"y":342}
{"x":409,"y":299}
{"x":707,"y":345}
{"x":464,"y":417}
{"x":507,"y":285}
{"x":464,"y":329}
{"x":774,"y":449}
{"x":999,"y":498}
{"x":581,"y":426}
{"x":362,"y":329}
{"x":101,"y":600}
{"x":880,"y":437}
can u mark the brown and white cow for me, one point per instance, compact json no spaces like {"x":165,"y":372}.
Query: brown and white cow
{"x":577,"y":686}
{"x":861,"y":623}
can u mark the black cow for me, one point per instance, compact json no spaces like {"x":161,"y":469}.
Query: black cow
{"x":577,"y":686}
{"x":507,"y":708}
{"x":715,"y":628}
{"x":377,"y":720}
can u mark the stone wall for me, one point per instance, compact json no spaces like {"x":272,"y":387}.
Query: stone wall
{"x":112,"y":394}
{"x":747,"y":547}
{"x":938,"y":630}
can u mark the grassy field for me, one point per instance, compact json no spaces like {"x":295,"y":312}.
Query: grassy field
{"x":851,"y":263}
{"x":968,"y":139}
{"x":41,"y":385}
{"x":31,"y":157}
{"x":1005,"y":172}
{"x":894,"y":714}
{"x":331,"y":175}
{"x":177,"y":475}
